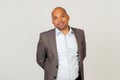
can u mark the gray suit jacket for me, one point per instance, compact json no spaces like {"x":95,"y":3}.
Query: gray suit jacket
{"x":47,"y":56}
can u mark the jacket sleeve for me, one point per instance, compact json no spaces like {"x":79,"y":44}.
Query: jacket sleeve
{"x":84,"y":46}
{"x":41,"y":53}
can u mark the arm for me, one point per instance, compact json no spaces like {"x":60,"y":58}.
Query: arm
{"x":84,"y":46}
{"x":41,"y":54}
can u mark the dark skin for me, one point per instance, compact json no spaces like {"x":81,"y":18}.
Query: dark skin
{"x":60,"y":19}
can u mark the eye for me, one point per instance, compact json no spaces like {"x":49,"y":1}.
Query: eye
{"x":54,"y":17}
{"x":63,"y":16}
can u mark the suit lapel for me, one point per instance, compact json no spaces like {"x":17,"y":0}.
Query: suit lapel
{"x":78,"y":38}
{"x":52,"y":42}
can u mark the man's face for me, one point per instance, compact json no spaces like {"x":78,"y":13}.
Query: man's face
{"x":60,"y":19}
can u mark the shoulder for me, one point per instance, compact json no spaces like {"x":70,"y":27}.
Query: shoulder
{"x":77,"y":29}
{"x":79,"y":32}
{"x":45,"y":35}
{"x":47,"y":32}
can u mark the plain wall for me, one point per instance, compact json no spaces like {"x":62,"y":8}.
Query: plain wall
{"x":21,"y":21}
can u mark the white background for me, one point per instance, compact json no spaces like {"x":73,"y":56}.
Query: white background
{"x":21,"y":21}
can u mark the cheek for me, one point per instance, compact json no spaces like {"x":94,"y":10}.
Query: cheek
{"x":54,"y":22}
{"x":67,"y":20}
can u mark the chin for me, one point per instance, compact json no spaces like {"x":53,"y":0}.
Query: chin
{"x":61,"y":28}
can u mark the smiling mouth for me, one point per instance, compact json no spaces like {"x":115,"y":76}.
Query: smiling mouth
{"x":61,"y":24}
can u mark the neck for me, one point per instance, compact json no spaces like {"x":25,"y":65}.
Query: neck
{"x":65,"y":31}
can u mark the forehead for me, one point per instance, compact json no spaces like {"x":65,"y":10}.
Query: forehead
{"x":57,"y":11}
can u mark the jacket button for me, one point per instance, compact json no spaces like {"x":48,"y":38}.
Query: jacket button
{"x":77,"y":52}
{"x":55,"y":77}
{"x":56,"y":66}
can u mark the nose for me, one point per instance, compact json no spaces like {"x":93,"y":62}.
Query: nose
{"x":59,"y":19}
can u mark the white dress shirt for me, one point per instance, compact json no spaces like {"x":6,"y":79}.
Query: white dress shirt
{"x":67,"y":55}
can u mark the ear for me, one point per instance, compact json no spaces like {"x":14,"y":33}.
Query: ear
{"x":68,"y":17}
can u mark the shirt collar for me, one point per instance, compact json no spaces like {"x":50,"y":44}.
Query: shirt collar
{"x":59,"y":32}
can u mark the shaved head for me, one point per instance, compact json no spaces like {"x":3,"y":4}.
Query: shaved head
{"x":60,"y":8}
{"x":60,"y":19}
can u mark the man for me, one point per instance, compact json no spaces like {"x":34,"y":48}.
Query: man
{"x":61,"y":51}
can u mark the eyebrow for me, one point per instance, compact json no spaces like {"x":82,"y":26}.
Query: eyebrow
{"x":61,"y":15}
